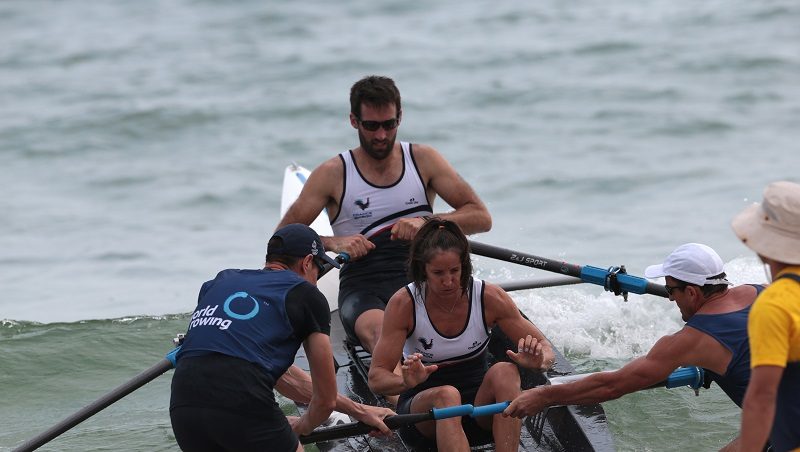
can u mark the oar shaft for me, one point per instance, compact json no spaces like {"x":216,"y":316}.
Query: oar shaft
{"x":539,"y":283}
{"x":360,"y":428}
{"x":528,"y":260}
{"x":401,"y":420}
{"x":589,"y":274}
{"x":96,"y":406}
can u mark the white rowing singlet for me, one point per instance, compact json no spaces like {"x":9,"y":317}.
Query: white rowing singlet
{"x":436,"y":348}
{"x":366,"y":208}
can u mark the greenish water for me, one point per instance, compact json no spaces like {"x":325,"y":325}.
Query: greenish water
{"x":57,"y":369}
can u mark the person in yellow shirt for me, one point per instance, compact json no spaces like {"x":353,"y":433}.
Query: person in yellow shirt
{"x":772,"y":401}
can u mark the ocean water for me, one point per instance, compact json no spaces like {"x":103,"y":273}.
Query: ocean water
{"x":142,"y":147}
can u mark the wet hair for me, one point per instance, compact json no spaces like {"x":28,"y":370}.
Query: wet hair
{"x":277,"y":242}
{"x":708,"y":289}
{"x":434,"y":236}
{"x":376,"y":91}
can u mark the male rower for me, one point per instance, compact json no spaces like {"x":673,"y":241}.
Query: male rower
{"x":714,"y":338}
{"x":378,"y":195}
{"x":242,"y":338}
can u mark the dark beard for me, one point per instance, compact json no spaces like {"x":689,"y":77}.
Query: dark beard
{"x":377,"y":154}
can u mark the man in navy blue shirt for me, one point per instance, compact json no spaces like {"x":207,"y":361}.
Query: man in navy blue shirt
{"x":242,"y":337}
{"x":714,"y":338}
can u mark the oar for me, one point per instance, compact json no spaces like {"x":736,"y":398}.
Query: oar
{"x":103,"y":402}
{"x":613,"y":279}
{"x":538,"y":283}
{"x":683,"y":376}
{"x":341,"y":258}
{"x":401,"y":420}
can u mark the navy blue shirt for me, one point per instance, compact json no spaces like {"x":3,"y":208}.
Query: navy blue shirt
{"x":260,"y":316}
{"x":730,"y":330}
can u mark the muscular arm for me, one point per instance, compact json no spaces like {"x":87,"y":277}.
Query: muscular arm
{"x":758,"y":410}
{"x":668,"y":353}
{"x":323,"y":394}
{"x":502,"y":310}
{"x":389,"y":350}
{"x":296,"y":384}
{"x":317,"y":193}
{"x":321,"y":191}
{"x":470,"y":213}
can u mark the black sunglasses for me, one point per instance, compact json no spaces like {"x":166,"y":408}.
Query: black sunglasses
{"x":671,"y":288}
{"x":389,"y":124}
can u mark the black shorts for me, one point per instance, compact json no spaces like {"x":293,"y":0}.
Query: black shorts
{"x":476,"y":435}
{"x":366,"y":294}
{"x":221,"y":403}
{"x":199,"y":429}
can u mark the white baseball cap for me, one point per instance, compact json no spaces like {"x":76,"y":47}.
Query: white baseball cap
{"x":693,"y":263}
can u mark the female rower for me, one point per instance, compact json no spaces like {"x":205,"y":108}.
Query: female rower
{"x":439,"y":327}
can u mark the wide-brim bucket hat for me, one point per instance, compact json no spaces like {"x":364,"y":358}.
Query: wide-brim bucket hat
{"x":772,"y":228}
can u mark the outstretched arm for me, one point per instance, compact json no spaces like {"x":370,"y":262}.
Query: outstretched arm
{"x":666,"y":355}
{"x":296,"y":384}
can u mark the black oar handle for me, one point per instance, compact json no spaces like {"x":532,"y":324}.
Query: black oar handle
{"x":96,"y":406}
{"x":401,"y":420}
{"x":341,"y":258}
{"x":586,"y":273}
{"x":360,"y":428}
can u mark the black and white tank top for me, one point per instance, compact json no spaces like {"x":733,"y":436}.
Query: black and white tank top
{"x":367,"y":209}
{"x":436,"y":348}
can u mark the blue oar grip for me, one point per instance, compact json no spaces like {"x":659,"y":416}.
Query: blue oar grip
{"x":487,"y":410}
{"x":686,"y":376}
{"x":627,"y":283}
{"x":172,"y":356}
{"x":453,"y":411}
{"x":343,"y":258}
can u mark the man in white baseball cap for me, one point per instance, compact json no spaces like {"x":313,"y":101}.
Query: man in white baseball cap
{"x":690,"y":264}
{"x":716,"y":341}
{"x":772,"y":402}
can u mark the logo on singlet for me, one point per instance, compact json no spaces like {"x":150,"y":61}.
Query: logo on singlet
{"x":412,"y":202}
{"x":426,"y":345}
{"x":475,"y":344}
{"x":362,"y":204}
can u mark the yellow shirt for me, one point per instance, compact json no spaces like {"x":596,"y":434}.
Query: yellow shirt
{"x":774,"y":323}
{"x":774,"y":330}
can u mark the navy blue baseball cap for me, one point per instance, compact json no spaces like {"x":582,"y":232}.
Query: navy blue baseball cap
{"x":300,"y":240}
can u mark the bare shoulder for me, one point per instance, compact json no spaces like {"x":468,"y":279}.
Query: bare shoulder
{"x":688,"y":346}
{"x":331,"y":168}
{"x":497,"y":302}
{"x":746,"y":294}
{"x":326,"y":179}
{"x":426,"y":155}
{"x":401,"y":300}
{"x":399,"y":309}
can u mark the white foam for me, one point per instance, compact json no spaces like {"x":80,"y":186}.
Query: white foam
{"x":586,"y":320}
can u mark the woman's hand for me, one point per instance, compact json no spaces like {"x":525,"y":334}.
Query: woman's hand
{"x":414,"y":371}
{"x":533,"y":354}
